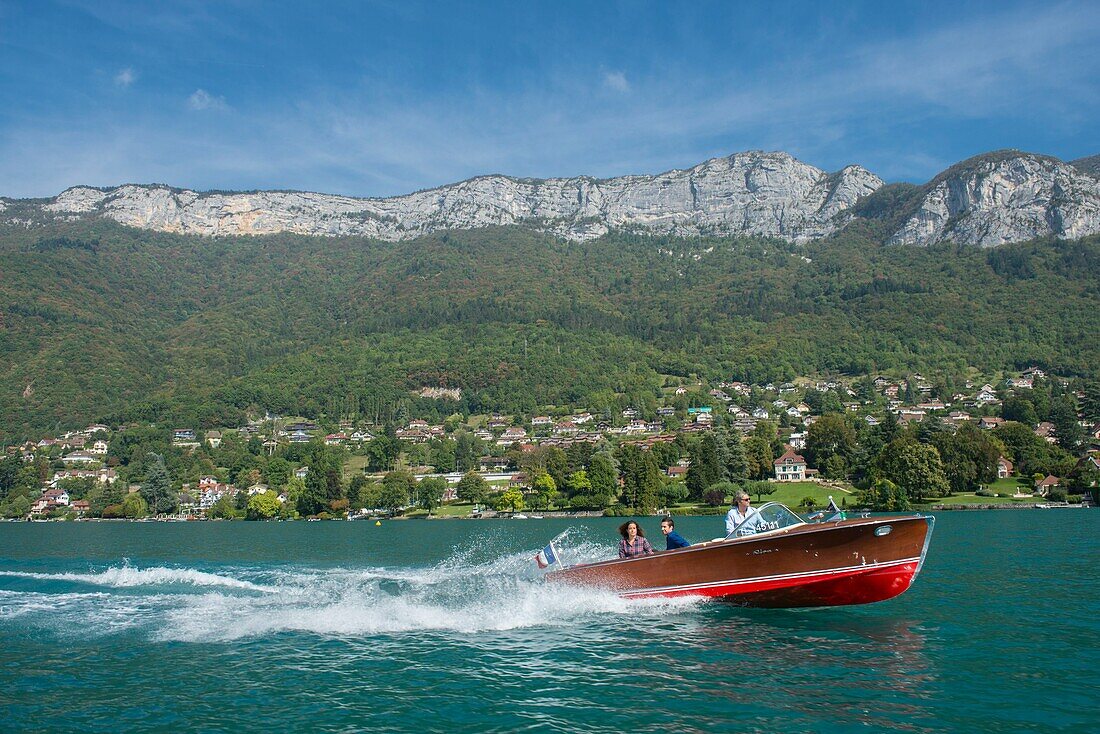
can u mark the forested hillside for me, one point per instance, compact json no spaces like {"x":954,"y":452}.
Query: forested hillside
{"x":101,"y":322}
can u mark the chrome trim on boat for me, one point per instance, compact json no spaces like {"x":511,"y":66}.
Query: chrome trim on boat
{"x":927,"y":539}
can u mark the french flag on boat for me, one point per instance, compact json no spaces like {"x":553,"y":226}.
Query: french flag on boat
{"x":547,"y":556}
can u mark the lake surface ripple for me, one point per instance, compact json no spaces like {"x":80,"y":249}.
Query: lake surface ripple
{"x":446,"y":626}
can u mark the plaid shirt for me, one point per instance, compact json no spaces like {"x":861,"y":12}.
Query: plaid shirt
{"x":640,"y":547}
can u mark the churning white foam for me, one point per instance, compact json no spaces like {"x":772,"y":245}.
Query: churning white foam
{"x":127,"y":576}
{"x":458,"y":595}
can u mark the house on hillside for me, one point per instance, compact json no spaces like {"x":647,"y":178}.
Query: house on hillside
{"x":1004,"y":468}
{"x":512,"y":435}
{"x":1045,"y":431}
{"x":183,"y":435}
{"x":989,"y":422}
{"x":56,"y":496}
{"x":790,"y":467}
{"x":1043,"y":486}
{"x":79,"y":457}
{"x":214,"y":439}
{"x":488,"y":464}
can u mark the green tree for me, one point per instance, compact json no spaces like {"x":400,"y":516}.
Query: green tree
{"x":760,"y":488}
{"x":579,"y":483}
{"x":736,"y":465}
{"x":511,"y":499}
{"x":1063,"y":414}
{"x":355,"y":492}
{"x":545,"y":489}
{"x":969,"y":457}
{"x":673,"y":493}
{"x":467,"y":451}
{"x":604,"y":476}
{"x":1019,"y":409}
{"x":431,"y":491}
{"x":758,"y":453}
{"x":134,"y":506}
{"x":706,"y":467}
{"x":719,"y":492}
{"x":382,"y":452}
{"x":835,"y":467}
{"x":223,"y":509}
{"x":156,"y":490}
{"x":915,"y":467}
{"x":102,"y":495}
{"x":313,"y":498}
{"x":641,"y":478}
{"x":20,"y":506}
{"x":884,"y":496}
{"x":263,"y":506}
{"x":472,"y":488}
{"x":830,"y":435}
{"x":277,"y":472}
{"x":396,"y":487}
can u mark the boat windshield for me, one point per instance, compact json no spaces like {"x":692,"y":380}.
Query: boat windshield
{"x":770,"y":516}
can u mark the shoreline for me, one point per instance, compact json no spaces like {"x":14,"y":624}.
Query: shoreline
{"x":547,"y":515}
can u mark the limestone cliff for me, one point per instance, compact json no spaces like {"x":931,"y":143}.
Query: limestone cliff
{"x":999,"y":197}
{"x":748,"y":193}
{"x":1002,"y":197}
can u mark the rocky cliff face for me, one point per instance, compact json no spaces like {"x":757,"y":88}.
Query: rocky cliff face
{"x":989,"y":200}
{"x":748,"y":193}
{"x":1004,"y":197}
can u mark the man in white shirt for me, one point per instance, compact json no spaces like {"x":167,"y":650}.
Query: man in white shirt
{"x":739,"y":511}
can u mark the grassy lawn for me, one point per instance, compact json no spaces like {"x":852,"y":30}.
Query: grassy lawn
{"x":973,"y":499}
{"x":354,"y":465}
{"x":1008,"y":487}
{"x":456,"y":509}
{"x":1012,"y":485}
{"x":791,"y":494}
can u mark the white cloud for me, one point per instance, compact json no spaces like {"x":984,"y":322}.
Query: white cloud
{"x":616,"y":80}
{"x":125,"y":77}
{"x":201,"y":99}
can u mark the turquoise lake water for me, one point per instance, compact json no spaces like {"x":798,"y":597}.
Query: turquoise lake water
{"x":430,"y":626}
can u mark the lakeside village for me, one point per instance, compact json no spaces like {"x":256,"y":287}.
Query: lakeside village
{"x":873,"y":443}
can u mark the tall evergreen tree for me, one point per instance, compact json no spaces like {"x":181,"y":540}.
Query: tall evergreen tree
{"x":603,"y":475}
{"x":156,"y":490}
{"x":736,"y":465}
{"x":706,"y":467}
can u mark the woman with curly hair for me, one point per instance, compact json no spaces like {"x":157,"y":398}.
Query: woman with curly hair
{"x":633,"y":542}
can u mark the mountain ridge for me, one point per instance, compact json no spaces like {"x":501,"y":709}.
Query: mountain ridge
{"x":987,"y":200}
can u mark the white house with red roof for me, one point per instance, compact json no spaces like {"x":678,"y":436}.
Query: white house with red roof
{"x":790,"y":467}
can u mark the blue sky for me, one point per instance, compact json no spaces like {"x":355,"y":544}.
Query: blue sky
{"x":383,"y":98}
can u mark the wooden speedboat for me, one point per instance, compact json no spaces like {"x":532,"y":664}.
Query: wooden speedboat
{"x":776,"y":559}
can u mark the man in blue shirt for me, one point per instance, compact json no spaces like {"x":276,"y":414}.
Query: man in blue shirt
{"x":673,"y":539}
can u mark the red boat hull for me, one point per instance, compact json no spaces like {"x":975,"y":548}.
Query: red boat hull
{"x":829,"y":564}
